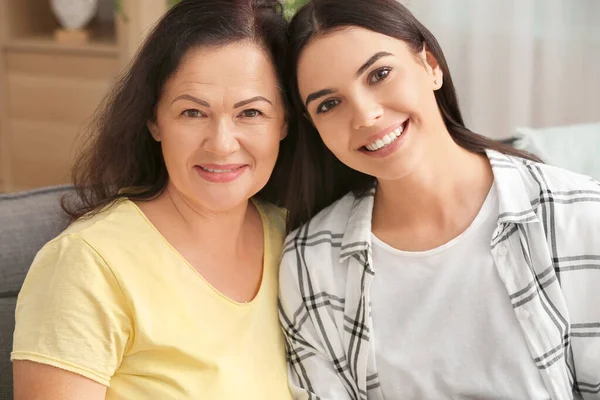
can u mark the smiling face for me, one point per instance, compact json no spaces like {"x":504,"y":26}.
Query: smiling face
{"x":372,"y":100}
{"x":219,"y":120}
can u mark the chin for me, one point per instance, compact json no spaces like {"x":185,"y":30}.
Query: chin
{"x":222,"y":203}
{"x":390,"y":173}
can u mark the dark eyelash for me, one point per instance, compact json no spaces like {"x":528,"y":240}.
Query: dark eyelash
{"x":253,"y":109}
{"x":190,"y":110}
{"x":377,"y":71}
{"x":319,"y":108}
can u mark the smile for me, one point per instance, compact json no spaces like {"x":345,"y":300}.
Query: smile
{"x":387,"y":139}
{"x":218,"y":171}
{"x":221,"y":173}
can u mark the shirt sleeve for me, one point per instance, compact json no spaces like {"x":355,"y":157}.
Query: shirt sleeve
{"x":311,"y":372}
{"x":71,"y":312}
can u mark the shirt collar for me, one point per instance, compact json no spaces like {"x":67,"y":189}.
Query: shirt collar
{"x":357,"y":235}
{"x":513,"y":201}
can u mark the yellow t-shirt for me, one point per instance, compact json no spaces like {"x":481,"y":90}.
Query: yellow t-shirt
{"x":111,"y":300}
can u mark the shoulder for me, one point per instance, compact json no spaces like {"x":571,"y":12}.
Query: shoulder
{"x":118,"y":234}
{"x":87,"y":249}
{"x":91,"y":240}
{"x":317,"y":243}
{"x":121,"y":216}
{"x":70,"y":281}
{"x":73,"y":268}
{"x":545,"y":177}
{"x":310,"y":256}
{"x":78,"y":239}
{"x":332,"y":220}
{"x":564,"y":200}
{"x":273,"y":227}
{"x":64,"y":252}
{"x":273,"y":215}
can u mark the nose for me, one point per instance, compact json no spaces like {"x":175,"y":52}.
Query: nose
{"x":366,"y":112}
{"x":222,"y":141}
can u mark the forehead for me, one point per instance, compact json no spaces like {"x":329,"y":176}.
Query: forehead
{"x":240,"y":64}
{"x":338,"y":54}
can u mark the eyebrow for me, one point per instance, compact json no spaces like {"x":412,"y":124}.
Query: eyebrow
{"x":251,"y":100}
{"x":372,"y":61}
{"x":316,"y":95}
{"x":359,"y":72}
{"x":192,"y":98}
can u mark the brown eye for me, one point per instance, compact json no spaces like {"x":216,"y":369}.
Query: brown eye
{"x":192,"y":113}
{"x":379,"y":75}
{"x":327,"y":105}
{"x":251,"y":113}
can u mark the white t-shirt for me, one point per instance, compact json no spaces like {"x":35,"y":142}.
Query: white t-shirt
{"x":444,"y":327}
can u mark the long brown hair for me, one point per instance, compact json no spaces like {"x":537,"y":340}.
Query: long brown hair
{"x":120,"y":158}
{"x":317,"y":177}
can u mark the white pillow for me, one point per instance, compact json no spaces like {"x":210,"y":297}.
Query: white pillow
{"x":575,"y":147}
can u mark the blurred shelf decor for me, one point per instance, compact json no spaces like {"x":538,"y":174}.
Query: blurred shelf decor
{"x":73,"y":16}
{"x":290,"y":6}
{"x":54,"y":71}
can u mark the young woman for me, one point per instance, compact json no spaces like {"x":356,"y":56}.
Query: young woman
{"x":428,"y":262}
{"x":166,"y":285}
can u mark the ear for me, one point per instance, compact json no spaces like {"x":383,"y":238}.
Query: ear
{"x":284,"y":131}
{"x":433,"y":68}
{"x":154,"y":131}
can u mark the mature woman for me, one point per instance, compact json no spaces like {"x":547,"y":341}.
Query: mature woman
{"x":165,"y":287}
{"x":429,"y":262}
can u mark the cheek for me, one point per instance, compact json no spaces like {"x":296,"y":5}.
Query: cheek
{"x":179,"y":145}
{"x":263,"y":146}
{"x":338,"y":142}
{"x":419,"y":94}
{"x":404,"y":94}
{"x":334,"y":134}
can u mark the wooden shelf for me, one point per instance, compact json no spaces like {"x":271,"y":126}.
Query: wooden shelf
{"x":63,"y":83}
{"x":101,"y":46}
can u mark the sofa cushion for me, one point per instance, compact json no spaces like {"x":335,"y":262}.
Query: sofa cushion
{"x":573,"y":147}
{"x":27,"y":221}
{"x":7,"y":327}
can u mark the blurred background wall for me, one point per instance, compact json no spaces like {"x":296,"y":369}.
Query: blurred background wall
{"x":515,"y":63}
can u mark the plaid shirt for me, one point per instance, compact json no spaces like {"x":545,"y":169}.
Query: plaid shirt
{"x":546,"y":248}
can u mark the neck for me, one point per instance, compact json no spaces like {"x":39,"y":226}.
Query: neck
{"x":213,"y":230}
{"x":441,"y":194}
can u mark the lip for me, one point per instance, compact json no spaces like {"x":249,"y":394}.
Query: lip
{"x":382,"y":133}
{"x":220,"y":177}
{"x":389,"y":149}
{"x":221,"y":166}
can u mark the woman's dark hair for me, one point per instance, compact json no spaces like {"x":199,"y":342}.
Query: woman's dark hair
{"x":120,"y":157}
{"x":317,"y":178}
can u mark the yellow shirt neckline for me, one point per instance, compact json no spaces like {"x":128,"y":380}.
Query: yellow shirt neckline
{"x":266,"y":255}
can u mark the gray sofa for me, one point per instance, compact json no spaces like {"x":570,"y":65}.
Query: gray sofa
{"x":27,"y":221}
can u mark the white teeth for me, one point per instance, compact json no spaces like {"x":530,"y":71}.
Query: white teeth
{"x":386,"y":140}
{"x":216,"y":170}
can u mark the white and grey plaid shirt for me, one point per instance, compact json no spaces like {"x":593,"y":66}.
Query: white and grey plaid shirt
{"x":546,"y":249}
